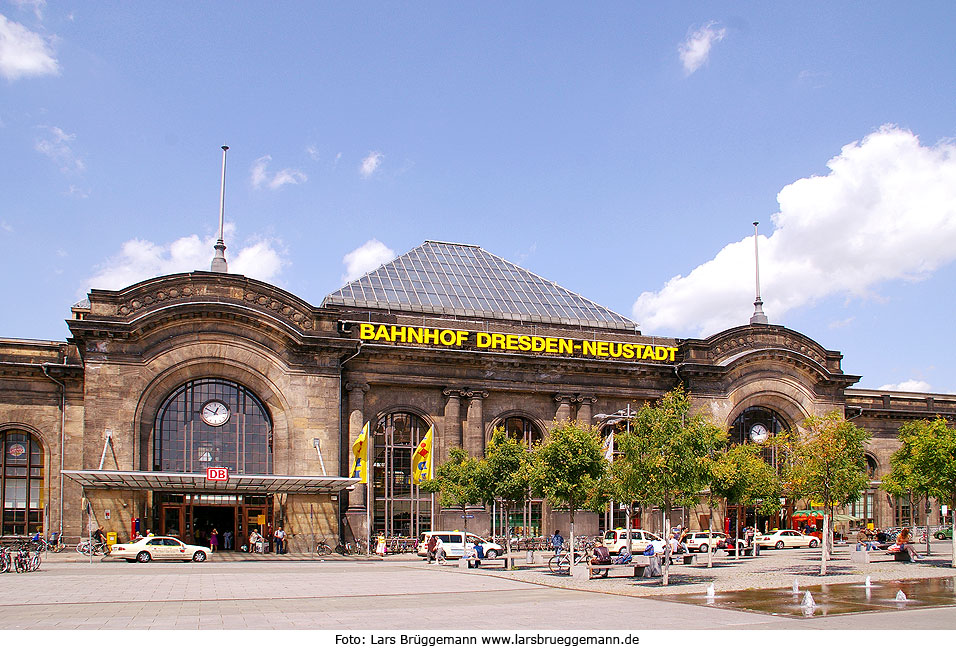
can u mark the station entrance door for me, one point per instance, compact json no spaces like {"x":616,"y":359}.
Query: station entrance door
{"x":193,"y":517}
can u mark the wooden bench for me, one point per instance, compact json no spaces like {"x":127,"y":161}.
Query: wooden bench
{"x":630,"y":569}
{"x":901,"y":555}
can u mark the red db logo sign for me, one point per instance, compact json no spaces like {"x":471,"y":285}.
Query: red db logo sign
{"x":217,"y":474}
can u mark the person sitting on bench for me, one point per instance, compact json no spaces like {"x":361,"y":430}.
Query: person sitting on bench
{"x":602,"y":556}
{"x":905,"y":542}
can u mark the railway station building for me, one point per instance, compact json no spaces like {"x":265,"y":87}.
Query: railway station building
{"x":178,"y":374}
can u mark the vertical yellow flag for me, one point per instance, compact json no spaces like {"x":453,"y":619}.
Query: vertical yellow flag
{"x":422,"y":460}
{"x":360,"y":450}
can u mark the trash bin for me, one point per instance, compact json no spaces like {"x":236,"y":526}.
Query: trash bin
{"x":111,"y":538}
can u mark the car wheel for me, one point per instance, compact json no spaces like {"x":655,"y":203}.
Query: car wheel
{"x":703,"y":548}
{"x":814,"y":543}
{"x":940,"y":536}
{"x":779,"y":545}
{"x":491,"y":554}
{"x":143,"y":557}
{"x":199,"y":556}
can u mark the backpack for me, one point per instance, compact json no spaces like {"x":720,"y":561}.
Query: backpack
{"x":625,"y":557}
{"x":649,"y":550}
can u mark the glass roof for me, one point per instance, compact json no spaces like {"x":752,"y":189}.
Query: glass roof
{"x":467,"y":281}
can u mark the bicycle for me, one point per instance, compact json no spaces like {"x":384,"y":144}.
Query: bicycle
{"x":322,"y":549}
{"x":560,"y":564}
{"x":53,"y":544}
{"x":99,"y":548}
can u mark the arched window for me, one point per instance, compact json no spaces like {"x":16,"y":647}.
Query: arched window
{"x":21,"y":483}
{"x":526,"y":523}
{"x":213,"y":422}
{"x":523,"y":430}
{"x":399,"y":509}
{"x":752,"y":423}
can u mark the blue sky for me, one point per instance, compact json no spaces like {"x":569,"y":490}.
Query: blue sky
{"x":622,"y":150}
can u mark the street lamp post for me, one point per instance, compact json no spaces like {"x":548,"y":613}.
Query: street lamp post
{"x":614,"y":419}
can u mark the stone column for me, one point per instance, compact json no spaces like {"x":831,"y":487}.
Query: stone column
{"x":474,"y":435}
{"x":563,"y":412}
{"x":356,"y":422}
{"x":452,"y":429}
{"x":584,"y":409}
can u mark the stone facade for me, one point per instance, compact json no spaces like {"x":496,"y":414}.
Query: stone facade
{"x":319,"y":381}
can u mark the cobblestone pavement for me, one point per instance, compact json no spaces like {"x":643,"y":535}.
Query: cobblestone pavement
{"x":348,"y":594}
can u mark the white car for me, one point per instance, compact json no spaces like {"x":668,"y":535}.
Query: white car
{"x":703,"y":541}
{"x":453,"y":543}
{"x":616,"y":541}
{"x":160,"y":548}
{"x":786,"y":539}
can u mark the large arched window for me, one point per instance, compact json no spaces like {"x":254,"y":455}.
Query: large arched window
{"x":527,"y":522}
{"x":399,"y":508}
{"x":213,"y":422}
{"x":21,"y":483}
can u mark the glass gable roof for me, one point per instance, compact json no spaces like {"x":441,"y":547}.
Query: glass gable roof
{"x":467,"y":281}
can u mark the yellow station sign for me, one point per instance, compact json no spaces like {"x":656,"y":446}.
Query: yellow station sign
{"x":461,"y":339}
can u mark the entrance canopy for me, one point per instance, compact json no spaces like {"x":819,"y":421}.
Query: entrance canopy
{"x":189,"y":482}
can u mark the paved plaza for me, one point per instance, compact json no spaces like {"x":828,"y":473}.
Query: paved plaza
{"x":347,"y":594}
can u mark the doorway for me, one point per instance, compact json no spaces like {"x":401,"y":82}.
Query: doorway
{"x":210,"y":518}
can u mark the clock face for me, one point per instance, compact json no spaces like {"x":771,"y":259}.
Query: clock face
{"x":215,"y":413}
{"x":758,"y":433}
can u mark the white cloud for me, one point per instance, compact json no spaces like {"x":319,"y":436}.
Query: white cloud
{"x":281,"y":178}
{"x":5,"y":226}
{"x":366,"y":258}
{"x":908,"y":386}
{"x":138,"y":260}
{"x":371,"y":163}
{"x":24,"y":53}
{"x":313,"y":152}
{"x":56,"y":146}
{"x":885,"y":211}
{"x":695,"y":50}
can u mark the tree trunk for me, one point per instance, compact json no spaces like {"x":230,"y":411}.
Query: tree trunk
{"x":508,"y":561}
{"x":952,"y":511}
{"x":710,"y":529}
{"x":823,"y":548}
{"x":627,"y":513}
{"x":665,"y":576}
{"x":571,"y":543}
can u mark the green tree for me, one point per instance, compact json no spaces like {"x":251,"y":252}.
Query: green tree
{"x":827,"y":465}
{"x":741,"y":476}
{"x":667,"y":456}
{"x":567,"y":468}
{"x":925,"y":464}
{"x":456,"y":481}
{"x":504,"y":476}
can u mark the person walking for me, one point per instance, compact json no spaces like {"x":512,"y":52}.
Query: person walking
{"x":214,"y":540}
{"x":431,"y":548}
{"x":227,"y":540}
{"x":557,"y":542}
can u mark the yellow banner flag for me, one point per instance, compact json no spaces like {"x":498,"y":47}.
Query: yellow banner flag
{"x":360,"y":450}
{"x":422,"y":460}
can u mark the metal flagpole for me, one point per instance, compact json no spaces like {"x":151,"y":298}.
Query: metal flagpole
{"x":368,"y":492}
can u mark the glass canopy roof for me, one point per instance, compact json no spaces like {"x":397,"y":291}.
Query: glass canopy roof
{"x":467,"y":281}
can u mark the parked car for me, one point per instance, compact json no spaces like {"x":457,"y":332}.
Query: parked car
{"x":160,"y":548}
{"x":945,"y":533}
{"x":704,"y":541}
{"x":616,"y":541}
{"x":453,"y":543}
{"x":786,"y":539}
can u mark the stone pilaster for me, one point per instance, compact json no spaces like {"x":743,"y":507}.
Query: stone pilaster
{"x":584,"y":408}
{"x":452,"y":429}
{"x":563,"y":413}
{"x":474,"y":434}
{"x":356,"y":397}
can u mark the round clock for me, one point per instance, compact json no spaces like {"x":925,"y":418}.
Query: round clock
{"x":758,"y":433}
{"x":215,"y":413}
